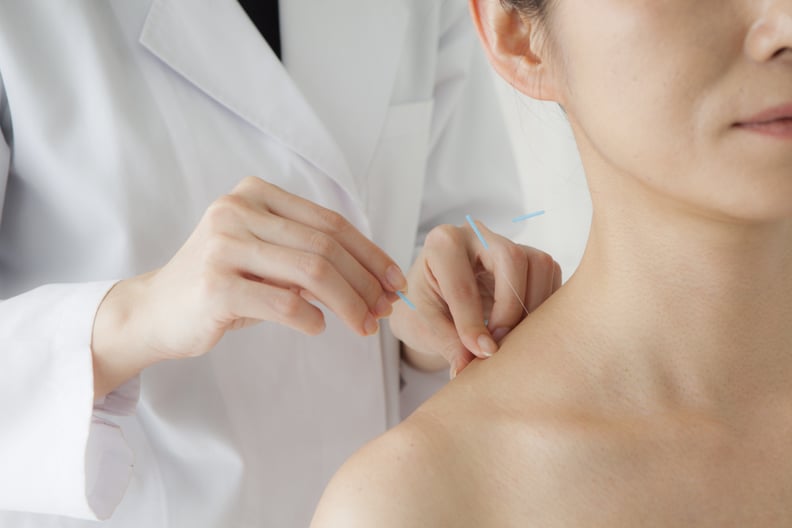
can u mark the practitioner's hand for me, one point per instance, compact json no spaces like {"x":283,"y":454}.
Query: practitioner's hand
{"x":258,"y":254}
{"x":456,"y":285}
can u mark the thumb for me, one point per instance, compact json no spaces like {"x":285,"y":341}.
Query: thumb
{"x":438,"y":335}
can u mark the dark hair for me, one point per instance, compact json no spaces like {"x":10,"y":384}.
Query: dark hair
{"x":535,"y":8}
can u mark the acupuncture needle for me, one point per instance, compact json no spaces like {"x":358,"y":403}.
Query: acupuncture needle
{"x":484,"y":243}
{"x":503,"y":275}
{"x":486,"y":247}
{"x":528,"y":216}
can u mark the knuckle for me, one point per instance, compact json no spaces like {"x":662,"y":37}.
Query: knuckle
{"x":286,"y":304}
{"x":314,"y":268}
{"x":445,"y":235}
{"x":223,"y":211}
{"x":249,"y":182}
{"x":253,"y":181}
{"x":322,"y":244}
{"x":332,"y":222}
{"x":272,"y":223}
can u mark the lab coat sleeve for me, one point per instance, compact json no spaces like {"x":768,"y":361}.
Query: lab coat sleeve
{"x":471,"y":167}
{"x":59,"y":452}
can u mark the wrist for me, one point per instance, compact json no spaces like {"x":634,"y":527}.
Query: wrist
{"x":118,"y":346}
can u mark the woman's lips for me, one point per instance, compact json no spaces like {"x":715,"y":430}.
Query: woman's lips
{"x":776,"y":122}
{"x":779,"y":128}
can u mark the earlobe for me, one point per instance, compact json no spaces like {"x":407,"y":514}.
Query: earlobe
{"x":510,"y":41}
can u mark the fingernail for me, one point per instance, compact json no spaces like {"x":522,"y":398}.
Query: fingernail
{"x":499,"y":333}
{"x":486,"y":345}
{"x":370,"y":325}
{"x":454,"y":370}
{"x":395,"y":278}
{"x":383,"y":308}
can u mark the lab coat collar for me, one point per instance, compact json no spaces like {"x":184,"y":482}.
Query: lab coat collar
{"x":344,"y":55}
{"x":316,"y":111}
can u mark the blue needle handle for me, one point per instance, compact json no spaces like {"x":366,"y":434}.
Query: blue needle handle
{"x":406,"y":300}
{"x":476,"y":230}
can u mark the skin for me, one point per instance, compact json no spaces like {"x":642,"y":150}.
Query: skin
{"x":653,"y":388}
{"x":263,"y":254}
{"x":458,"y":284}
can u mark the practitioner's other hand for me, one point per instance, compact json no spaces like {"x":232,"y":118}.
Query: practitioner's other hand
{"x":468,"y":298}
{"x":258,"y":254}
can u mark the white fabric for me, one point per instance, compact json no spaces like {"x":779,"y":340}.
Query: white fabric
{"x":123,"y":122}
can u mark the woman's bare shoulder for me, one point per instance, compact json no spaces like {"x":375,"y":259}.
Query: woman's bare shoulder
{"x":437,"y":467}
{"x":403,"y":478}
{"x":523,"y":422}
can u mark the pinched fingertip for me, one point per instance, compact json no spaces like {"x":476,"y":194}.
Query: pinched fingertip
{"x":457,"y":365}
{"x":395,"y":278}
{"x":486,"y":346}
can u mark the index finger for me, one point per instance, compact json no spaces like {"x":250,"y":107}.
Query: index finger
{"x":448,"y":260}
{"x":287,"y":205}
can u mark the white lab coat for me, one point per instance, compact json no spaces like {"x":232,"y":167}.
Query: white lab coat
{"x":123,"y":120}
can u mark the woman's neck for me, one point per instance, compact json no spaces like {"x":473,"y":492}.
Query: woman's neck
{"x":699,"y":307}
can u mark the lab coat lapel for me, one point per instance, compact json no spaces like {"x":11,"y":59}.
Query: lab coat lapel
{"x":344,"y":56}
{"x":215,"y":46}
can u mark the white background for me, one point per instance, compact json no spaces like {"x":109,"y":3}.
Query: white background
{"x":552,"y":177}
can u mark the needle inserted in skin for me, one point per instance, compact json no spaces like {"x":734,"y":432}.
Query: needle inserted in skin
{"x":513,"y":289}
{"x":486,"y":246}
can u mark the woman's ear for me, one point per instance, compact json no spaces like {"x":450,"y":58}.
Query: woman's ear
{"x":511,"y":41}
